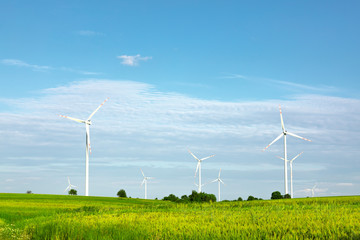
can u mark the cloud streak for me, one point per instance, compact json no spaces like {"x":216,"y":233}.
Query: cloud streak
{"x":141,"y":126}
{"x":19,"y":63}
{"x":132,"y":60}
{"x":34,"y":67}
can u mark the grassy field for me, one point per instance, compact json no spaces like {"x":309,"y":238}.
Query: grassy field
{"x":32,"y":216}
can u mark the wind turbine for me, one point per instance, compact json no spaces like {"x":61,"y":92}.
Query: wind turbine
{"x":87,"y":123}
{"x":284,"y":133}
{"x":145,"y":182}
{"x":70,"y":186}
{"x":198,"y":168}
{"x":219,"y":181}
{"x":291,"y":174}
{"x":313,"y":191}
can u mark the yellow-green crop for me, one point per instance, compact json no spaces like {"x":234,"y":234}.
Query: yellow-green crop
{"x":25,"y":216}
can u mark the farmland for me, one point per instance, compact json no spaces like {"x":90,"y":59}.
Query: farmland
{"x":33,"y":216}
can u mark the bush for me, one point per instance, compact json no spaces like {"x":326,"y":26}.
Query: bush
{"x":121,"y":193}
{"x":276,"y":195}
{"x":287,"y":196}
{"x":172,"y":198}
{"x":72,"y":192}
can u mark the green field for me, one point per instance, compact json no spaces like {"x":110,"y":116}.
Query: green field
{"x":32,"y":216}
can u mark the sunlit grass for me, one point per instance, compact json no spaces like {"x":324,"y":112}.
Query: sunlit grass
{"x":30,"y":216}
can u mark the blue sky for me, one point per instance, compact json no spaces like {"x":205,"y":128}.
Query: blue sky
{"x":201,"y":75}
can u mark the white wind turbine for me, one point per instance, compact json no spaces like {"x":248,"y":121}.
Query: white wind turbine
{"x":87,"y":123}
{"x":145,"y":182}
{"x":291,"y":173}
{"x":219,"y":181}
{"x":313,"y":191}
{"x":284,"y":133}
{"x":198,"y":168}
{"x":70,"y":186}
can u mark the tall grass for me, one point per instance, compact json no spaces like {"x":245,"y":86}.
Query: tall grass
{"x":64,"y":217}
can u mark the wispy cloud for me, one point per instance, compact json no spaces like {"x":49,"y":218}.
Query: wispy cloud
{"x":233,"y":76}
{"x":19,"y":63}
{"x":292,"y":86}
{"x":89,"y":33}
{"x":132,"y":60}
{"x":141,"y":126}
{"x":345,"y":184}
{"x":303,"y":86}
{"x":34,"y":67}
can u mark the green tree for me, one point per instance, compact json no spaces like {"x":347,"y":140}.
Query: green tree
{"x":121,"y":193}
{"x":72,"y":192}
{"x":172,"y":198}
{"x":276,"y":195}
{"x":239,"y":199}
{"x":251,"y":198}
{"x":287,"y":196}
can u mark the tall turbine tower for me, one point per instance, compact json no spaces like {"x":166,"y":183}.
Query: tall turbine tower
{"x":219,"y":181}
{"x":198,"y":168}
{"x":87,"y":123}
{"x":145,"y":182}
{"x":291,"y":174}
{"x":284,"y":133}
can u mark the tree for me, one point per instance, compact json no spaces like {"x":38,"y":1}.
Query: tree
{"x":72,"y":192}
{"x":29,"y":192}
{"x":251,"y":198}
{"x":239,"y":199}
{"x":121,"y":193}
{"x":172,"y":198}
{"x":276,"y":195}
{"x":287,"y":196}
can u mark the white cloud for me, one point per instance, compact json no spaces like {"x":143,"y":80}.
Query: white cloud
{"x":19,"y":63}
{"x":34,"y":67}
{"x":141,"y":126}
{"x":89,"y":33}
{"x":345,"y":184}
{"x":132,"y":60}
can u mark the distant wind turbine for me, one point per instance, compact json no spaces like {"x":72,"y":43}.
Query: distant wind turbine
{"x":145,"y":182}
{"x":291,"y":173}
{"x":313,"y":191}
{"x":284,"y":133}
{"x":70,"y":186}
{"x":87,"y":123}
{"x":198,"y":168}
{"x":219,"y":181}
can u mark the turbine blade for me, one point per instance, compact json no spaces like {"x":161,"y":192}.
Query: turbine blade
{"x":73,"y":186}
{"x":69,"y":181}
{"x":222,"y":181}
{"x":219,"y":173}
{"x":294,"y":135}
{"x":296,"y":156}
{"x":282,"y":121}
{"x":216,"y":180}
{"x":193,"y":155}
{"x":142,"y":172}
{"x":273,"y":141}
{"x":67,"y":188}
{"x":143,"y":182}
{"x":197,"y":168}
{"x":97,"y":109}
{"x":206,"y":157}
{"x":74,"y":119}
{"x":280,"y":158}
